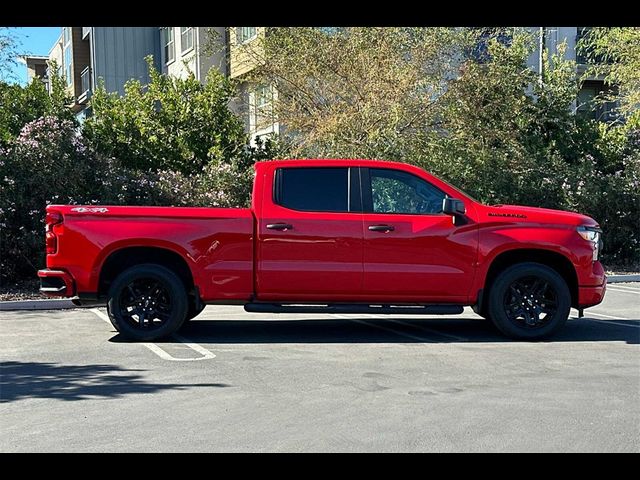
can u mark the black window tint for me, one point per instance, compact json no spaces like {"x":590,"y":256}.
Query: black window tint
{"x":313,"y":189}
{"x":394,"y":191}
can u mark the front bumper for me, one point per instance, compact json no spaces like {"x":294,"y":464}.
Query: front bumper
{"x":590,"y":296}
{"x":56,"y":283}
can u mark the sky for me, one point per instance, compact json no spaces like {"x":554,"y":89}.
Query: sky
{"x":33,"y":41}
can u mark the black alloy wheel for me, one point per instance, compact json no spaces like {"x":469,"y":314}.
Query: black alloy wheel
{"x":147,"y":302}
{"x":529,"y":301}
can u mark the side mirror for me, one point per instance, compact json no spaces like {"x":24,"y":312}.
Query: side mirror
{"x":453,"y":206}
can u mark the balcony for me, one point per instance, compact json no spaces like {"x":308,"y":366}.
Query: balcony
{"x":85,"y":85}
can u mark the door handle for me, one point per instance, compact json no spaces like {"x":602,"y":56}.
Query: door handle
{"x":279,"y":226}
{"x":382,"y":228}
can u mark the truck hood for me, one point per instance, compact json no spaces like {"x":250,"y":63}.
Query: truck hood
{"x":522,"y":214}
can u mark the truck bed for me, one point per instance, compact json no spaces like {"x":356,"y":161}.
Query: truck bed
{"x":216,"y":243}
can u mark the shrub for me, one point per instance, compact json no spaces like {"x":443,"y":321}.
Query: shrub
{"x":47,"y":163}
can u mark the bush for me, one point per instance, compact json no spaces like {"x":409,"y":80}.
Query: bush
{"x":47,"y":163}
{"x":170,"y":124}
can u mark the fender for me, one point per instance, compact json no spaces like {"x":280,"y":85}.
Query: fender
{"x":497,"y":239}
{"x":118,"y":245}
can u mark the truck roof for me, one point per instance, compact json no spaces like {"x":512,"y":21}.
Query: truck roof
{"x":330,"y":162}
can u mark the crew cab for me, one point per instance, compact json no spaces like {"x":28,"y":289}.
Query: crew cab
{"x":337,"y":236}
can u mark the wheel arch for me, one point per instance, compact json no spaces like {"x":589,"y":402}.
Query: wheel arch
{"x":120,"y":259}
{"x":554,"y":260}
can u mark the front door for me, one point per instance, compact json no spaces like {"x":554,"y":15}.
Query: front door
{"x":412,"y":251}
{"x":310,"y":235}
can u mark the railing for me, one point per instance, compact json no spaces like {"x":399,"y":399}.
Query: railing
{"x":85,"y":81}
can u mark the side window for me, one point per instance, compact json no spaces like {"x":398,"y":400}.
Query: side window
{"x":313,"y":189}
{"x":394,"y":191}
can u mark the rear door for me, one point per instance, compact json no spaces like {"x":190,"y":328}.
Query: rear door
{"x":412,"y":251}
{"x":310,"y":235}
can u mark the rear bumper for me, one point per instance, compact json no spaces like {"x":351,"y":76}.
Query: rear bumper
{"x":590,"y":296}
{"x":56,"y":283}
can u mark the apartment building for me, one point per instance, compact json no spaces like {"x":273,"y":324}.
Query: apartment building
{"x":255,"y":101}
{"x":196,"y":50}
{"x":85,"y":56}
{"x":36,"y":67}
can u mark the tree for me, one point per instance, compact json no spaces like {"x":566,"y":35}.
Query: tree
{"x":171,"y":123}
{"x":47,"y":163}
{"x":615,"y":53}
{"x":462,"y":103}
{"x":20,"y":105}
{"x":354,"y":91}
{"x":8,"y":52}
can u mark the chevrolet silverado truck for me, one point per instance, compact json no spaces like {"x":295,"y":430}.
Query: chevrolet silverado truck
{"x":328,"y":236}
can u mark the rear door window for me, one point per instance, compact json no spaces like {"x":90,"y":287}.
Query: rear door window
{"x":314,"y":189}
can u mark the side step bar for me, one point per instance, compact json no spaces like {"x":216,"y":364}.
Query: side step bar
{"x":354,"y":308}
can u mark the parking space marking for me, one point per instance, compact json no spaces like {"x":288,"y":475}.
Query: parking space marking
{"x":386,"y":329}
{"x":206,"y":354}
{"x":607,"y":316}
{"x":427,"y":329}
{"x":635,"y":292}
{"x":607,"y":321}
{"x":610,"y":322}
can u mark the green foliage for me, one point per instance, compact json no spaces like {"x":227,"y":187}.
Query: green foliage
{"x":47,"y":163}
{"x":478,"y":117}
{"x":45,"y":159}
{"x":354,"y":92}
{"x":9,"y":44}
{"x":20,"y":105}
{"x":614,"y":52}
{"x":169,"y":124}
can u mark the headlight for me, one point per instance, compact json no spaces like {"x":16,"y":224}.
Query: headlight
{"x":593,"y":235}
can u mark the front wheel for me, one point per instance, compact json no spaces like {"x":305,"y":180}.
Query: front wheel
{"x":147,"y":302}
{"x":529,"y":301}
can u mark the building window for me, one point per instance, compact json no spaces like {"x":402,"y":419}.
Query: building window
{"x":592,"y":104}
{"x":67,"y":58}
{"x":186,"y":38}
{"x":263,"y":107}
{"x":244,"y":34}
{"x":169,"y":53}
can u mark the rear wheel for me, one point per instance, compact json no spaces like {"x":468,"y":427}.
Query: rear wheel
{"x":147,"y":302}
{"x":529,"y":301}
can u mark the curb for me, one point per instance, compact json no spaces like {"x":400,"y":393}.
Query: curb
{"x":53,"y":304}
{"x":622,"y":278}
{"x":65,"y":303}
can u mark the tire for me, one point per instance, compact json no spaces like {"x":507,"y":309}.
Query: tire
{"x":529,"y":301}
{"x":147,"y":302}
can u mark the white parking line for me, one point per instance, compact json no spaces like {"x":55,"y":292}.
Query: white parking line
{"x":427,"y":329}
{"x":380,"y":327}
{"x":607,"y":321}
{"x":607,"y":316}
{"x":206,"y":354}
{"x":610,"y":322}
{"x":408,"y":335}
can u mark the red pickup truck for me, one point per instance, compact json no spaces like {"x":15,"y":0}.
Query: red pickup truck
{"x":337,"y":236}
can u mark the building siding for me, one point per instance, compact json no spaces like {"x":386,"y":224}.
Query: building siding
{"x":119,"y":55}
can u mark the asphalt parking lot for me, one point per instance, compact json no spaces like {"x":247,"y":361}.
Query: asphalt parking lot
{"x":234,"y":381}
